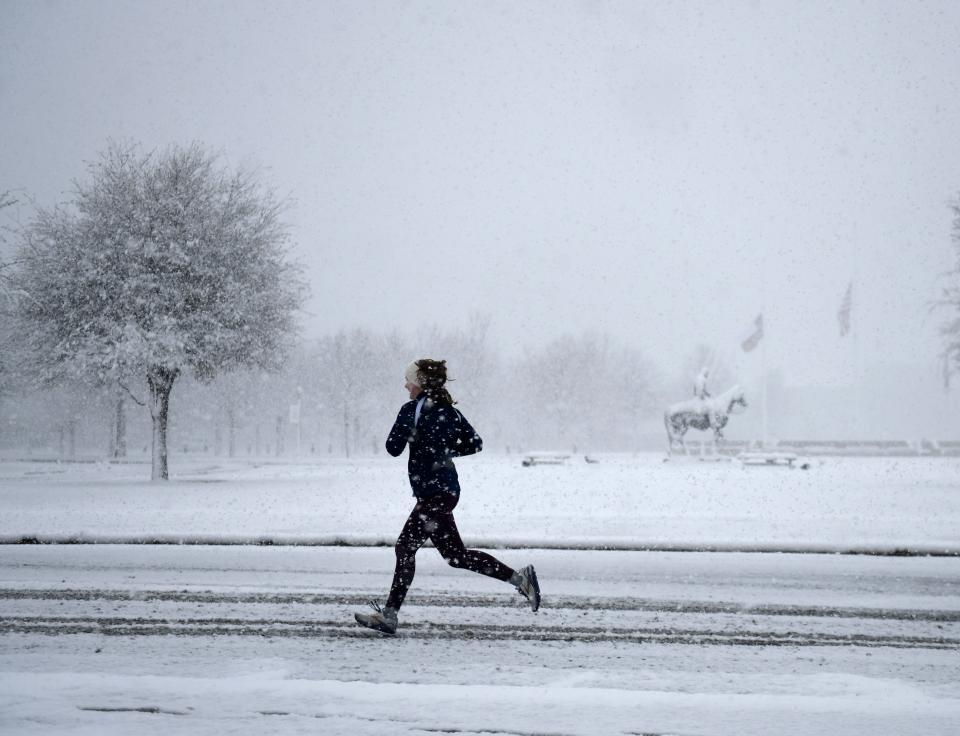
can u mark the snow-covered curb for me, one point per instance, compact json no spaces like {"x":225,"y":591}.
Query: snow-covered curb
{"x":632,"y":545}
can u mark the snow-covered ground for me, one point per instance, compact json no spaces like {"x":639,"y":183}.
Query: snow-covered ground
{"x":625,"y":501}
{"x":120,"y":638}
{"x":212,"y":640}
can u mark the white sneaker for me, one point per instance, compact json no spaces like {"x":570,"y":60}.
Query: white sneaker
{"x":382,"y":619}
{"x":528,"y":586}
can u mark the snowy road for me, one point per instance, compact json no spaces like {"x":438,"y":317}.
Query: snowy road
{"x":574,"y":618}
{"x":214,"y":640}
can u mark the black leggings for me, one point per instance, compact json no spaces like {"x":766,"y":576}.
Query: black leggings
{"x":432,"y":518}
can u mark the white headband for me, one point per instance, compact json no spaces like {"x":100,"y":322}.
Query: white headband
{"x":411,"y":374}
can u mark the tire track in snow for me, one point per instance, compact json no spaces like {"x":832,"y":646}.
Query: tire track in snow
{"x":743,"y":625}
{"x":340,"y":628}
{"x":578,"y":603}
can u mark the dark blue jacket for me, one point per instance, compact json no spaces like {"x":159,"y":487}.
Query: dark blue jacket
{"x":441,"y":434}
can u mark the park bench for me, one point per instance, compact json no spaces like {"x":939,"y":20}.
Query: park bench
{"x":544,"y":458}
{"x":768,"y":458}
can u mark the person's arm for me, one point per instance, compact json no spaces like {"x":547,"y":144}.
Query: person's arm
{"x":468,"y":442}
{"x":402,"y":432}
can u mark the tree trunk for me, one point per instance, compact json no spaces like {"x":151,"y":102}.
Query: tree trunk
{"x":72,"y":430}
{"x":120,"y":429}
{"x":231,"y":430}
{"x":160,"y":381}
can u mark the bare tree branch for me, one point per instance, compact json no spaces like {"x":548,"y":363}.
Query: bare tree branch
{"x":131,"y":394}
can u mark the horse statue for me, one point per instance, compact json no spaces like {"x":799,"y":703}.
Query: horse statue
{"x":711,"y":413}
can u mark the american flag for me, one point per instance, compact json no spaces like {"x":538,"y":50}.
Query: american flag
{"x":755,"y":337}
{"x":843,"y":314}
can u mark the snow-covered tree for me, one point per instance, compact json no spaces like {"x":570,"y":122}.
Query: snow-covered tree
{"x":950,"y":299}
{"x":470,"y":361}
{"x":162,"y":263}
{"x":6,"y":298}
{"x":580,"y":391}
{"x":350,"y":379}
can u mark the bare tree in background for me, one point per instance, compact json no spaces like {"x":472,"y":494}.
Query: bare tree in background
{"x":950,"y":299}
{"x":164,"y":263}
{"x":350,"y":370}
{"x":580,"y":392}
{"x":471,"y":365}
{"x":6,"y":299}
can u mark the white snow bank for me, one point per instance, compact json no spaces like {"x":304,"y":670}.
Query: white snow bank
{"x":270,"y":702}
{"x":622,"y":502}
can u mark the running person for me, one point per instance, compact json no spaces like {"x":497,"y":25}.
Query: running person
{"x":436,"y":433}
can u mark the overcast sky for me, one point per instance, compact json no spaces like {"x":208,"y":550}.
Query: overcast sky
{"x":659,"y":171}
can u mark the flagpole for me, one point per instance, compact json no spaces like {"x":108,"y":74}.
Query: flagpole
{"x":861,"y":375}
{"x":755,"y":338}
{"x":763,"y":346}
{"x":763,"y":373}
{"x":858,"y":377}
{"x":857,"y":359}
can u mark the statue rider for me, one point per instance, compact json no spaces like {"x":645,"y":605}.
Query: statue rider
{"x":700,"y":384}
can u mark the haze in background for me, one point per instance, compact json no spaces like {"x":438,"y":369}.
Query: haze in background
{"x":659,"y":171}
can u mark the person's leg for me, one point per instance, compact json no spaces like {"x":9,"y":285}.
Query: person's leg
{"x":446,"y":538}
{"x":412,"y":537}
{"x":442,"y":528}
